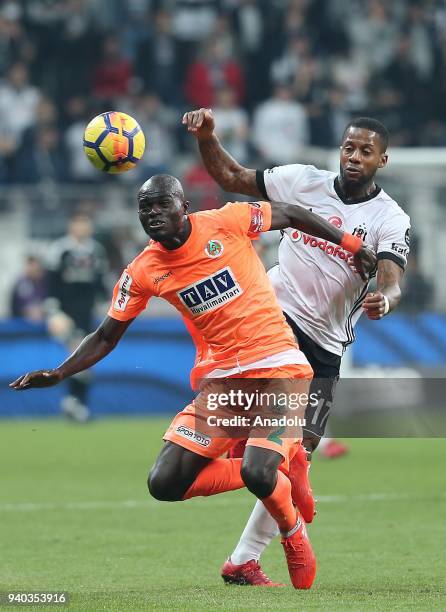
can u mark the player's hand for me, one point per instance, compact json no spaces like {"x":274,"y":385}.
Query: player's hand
{"x":37,"y":379}
{"x":374,"y":305}
{"x":364,"y":262}
{"x":200,"y":123}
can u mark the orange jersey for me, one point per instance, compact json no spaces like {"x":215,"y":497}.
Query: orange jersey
{"x":218,"y":283}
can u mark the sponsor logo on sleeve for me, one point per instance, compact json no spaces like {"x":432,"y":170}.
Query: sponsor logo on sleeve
{"x":399,"y":249}
{"x":125,"y":282}
{"x":257,"y":221}
{"x":407,"y":236}
{"x":211,"y":292}
{"x":194,"y":436}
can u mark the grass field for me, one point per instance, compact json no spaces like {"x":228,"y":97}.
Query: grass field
{"x":75,"y":516}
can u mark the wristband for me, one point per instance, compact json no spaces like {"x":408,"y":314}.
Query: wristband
{"x":386,"y":304}
{"x":351,"y":243}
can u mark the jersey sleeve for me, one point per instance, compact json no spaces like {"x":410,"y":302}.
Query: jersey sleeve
{"x":281,"y":183}
{"x":248,"y":218}
{"x":129,"y":299}
{"x":394,"y":239}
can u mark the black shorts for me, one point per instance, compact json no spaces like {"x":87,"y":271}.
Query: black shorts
{"x":326,"y":374}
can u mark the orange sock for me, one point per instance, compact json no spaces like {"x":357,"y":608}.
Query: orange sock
{"x":280,"y":505}
{"x":217,"y":477}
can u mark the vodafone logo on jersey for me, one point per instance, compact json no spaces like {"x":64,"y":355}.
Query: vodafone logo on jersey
{"x":327,"y":247}
{"x":336,"y":221}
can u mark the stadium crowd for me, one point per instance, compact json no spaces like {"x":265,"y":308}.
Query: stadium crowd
{"x":280,"y":74}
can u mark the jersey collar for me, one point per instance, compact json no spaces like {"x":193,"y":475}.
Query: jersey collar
{"x":184,"y":248}
{"x":340,"y":195}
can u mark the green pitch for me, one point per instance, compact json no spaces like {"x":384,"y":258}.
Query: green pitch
{"x":75,"y":516}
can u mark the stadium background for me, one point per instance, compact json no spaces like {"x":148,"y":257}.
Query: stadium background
{"x":283,"y":78}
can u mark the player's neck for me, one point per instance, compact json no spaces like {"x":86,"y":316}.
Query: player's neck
{"x":179,"y":239}
{"x":353,"y":192}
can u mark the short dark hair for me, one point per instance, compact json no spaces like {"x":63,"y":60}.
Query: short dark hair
{"x":165,"y":182}
{"x":373,"y":125}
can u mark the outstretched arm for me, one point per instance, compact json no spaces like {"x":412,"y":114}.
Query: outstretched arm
{"x":223,"y":168}
{"x":388,"y":294}
{"x":290,"y":215}
{"x":92,"y":349}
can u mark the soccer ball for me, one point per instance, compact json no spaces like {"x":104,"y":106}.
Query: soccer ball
{"x":114,"y":142}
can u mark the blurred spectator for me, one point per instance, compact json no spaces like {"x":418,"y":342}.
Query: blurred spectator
{"x":77,"y":269}
{"x":30,"y":291}
{"x":340,"y":58}
{"x":193,"y":20}
{"x":352,"y":77}
{"x":295,"y":19}
{"x":111,"y":76}
{"x":15,"y":45}
{"x":156,"y":60}
{"x":280,"y":128}
{"x":203,"y":192}
{"x":418,"y":291}
{"x":212,"y":71}
{"x":254,"y":23}
{"x":372,"y":24}
{"x":232,"y":124}
{"x":135,"y":29}
{"x":157,"y":122}
{"x":76,"y":48}
{"x":77,"y":117}
{"x":18,"y":102}
{"x":404,"y":77}
{"x":421,"y":35}
{"x":43,"y":158}
{"x":287,"y":67}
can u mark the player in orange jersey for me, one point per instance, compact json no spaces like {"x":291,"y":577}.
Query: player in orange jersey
{"x":205,"y":265}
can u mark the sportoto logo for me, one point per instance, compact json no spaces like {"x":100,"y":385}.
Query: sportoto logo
{"x":195,"y":436}
{"x":336,"y":221}
{"x":211,"y":292}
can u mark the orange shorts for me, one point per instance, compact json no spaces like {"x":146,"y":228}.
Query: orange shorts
{"x":199,"y":430}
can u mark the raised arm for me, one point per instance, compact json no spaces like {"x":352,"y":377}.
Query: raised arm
{"x":223,"y":168}
{"x":388,"y":293}
{"x":92,"y":349}
{"x":289,"y":215}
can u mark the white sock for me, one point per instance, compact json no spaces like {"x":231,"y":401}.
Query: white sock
{"x":323,"y":443}
{"x":260,"y":529}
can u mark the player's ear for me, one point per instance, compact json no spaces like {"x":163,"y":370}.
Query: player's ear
{"x":383,"y":161}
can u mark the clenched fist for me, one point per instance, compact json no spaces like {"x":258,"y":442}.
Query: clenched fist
{"x":375,"y":305}
{"x":200,"y":123}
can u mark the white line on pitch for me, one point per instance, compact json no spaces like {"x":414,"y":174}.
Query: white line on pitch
{"x":217,"y":501}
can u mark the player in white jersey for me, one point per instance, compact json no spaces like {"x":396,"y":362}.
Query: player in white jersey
{"x":322,"y":297}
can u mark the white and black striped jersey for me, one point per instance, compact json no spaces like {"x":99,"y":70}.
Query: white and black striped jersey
{"x":313,"y":281}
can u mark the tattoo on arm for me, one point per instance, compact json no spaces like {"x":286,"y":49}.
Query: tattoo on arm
{"x":226,"y":171}
{"x":388,"y":281}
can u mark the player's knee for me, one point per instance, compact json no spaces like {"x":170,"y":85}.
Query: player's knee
{"x":162,"y":485}
{"x":259,"y":479}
